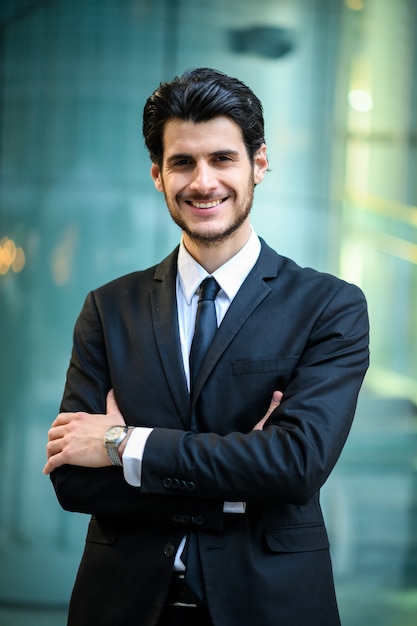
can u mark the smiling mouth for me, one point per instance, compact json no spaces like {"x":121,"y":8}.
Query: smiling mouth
{"x":209,"y":204}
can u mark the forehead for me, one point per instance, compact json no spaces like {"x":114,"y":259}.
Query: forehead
{"x":220,"y":133}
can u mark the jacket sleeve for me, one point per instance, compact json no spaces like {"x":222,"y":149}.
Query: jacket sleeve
{"x":291,"y":458}
{"x":104,"y":491}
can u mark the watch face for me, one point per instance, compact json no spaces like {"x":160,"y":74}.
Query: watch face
{"x":114,"y":433}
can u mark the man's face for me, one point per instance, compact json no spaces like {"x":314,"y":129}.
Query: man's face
{"x":208,"y":179}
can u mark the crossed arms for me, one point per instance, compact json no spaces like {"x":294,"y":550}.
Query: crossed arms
{"x":78,"y":438}
{"x":285,"y":457}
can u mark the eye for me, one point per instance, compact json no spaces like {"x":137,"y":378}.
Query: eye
{"x":225,"y":158}
{"x":182,"y":162}
{"x":179,"y":161}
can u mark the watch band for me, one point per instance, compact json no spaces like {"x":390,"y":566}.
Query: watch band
{"x":114,"y":455}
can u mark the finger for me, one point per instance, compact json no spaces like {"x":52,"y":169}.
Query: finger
{"x":260,"y":424}
{"x":53,"y":447}
{"x":55,"y":432}
{"x":62,"y":419}
{"x":277,"y":397}
{"x":275,"y":401}
{"x":50,"y":465}
{"x":53,"y":461}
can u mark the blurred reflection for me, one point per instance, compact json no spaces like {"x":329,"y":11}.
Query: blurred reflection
{"x":63,"y":256}
{"x":12,"y":257}
{"x":338,"y":81}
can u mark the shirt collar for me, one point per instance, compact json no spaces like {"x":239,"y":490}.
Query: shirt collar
{"x":230,"y":275}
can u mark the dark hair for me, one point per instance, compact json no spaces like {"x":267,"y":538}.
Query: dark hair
{"x":200,"y":95}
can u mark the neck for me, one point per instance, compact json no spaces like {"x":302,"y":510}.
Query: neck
{"x":213,"y":255}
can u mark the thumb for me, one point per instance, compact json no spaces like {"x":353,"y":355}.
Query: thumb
{"x":275,"y":401}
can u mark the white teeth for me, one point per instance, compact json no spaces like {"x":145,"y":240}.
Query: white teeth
{"x":205,"y":205}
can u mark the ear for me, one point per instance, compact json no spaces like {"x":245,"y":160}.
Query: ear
{"x":260,"y":164}
{"x":156,"y":175}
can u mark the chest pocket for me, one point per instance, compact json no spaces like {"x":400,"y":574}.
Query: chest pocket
{"x":284,"y":365}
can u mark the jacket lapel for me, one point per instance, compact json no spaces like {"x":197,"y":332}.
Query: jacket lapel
{"x":165,"y":325}
{"x":165,"y":321}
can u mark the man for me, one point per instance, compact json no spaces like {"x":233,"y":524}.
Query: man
{"x":233,"y":470}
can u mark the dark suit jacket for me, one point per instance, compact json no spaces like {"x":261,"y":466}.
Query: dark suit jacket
{"x":293,"y":329}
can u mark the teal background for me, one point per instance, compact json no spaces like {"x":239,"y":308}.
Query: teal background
{"x":77,"y":198}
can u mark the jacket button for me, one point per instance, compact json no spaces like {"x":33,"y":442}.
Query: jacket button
{"x":198,"y":520}
{"x":181,"y":518}
{"x":190,"y":486}
{"x":167,"y":483}
{"x":169,"y":550}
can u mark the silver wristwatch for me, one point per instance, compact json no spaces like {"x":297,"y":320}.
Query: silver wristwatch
{"x":112,"y":439}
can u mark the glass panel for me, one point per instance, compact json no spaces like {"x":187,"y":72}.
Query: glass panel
{"x":78,"y":208}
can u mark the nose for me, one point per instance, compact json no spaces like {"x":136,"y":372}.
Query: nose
{"x":204,"y":179}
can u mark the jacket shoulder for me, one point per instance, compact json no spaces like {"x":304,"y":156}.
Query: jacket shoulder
{"x":139,"y":279}
{"x":289,"y":272}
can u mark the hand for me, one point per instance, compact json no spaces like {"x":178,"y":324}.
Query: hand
{"x":275,"y":401}
{"x":78,"y":438}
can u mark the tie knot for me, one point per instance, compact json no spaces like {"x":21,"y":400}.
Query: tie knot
{"x":209,"y":289}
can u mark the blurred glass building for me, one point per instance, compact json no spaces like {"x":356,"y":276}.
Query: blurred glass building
{"x":338,"y":80}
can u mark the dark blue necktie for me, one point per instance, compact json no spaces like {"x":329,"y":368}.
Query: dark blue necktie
{"x":205,"y":328}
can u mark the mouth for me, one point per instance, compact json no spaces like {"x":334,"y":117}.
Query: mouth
{"x":208,"y":204}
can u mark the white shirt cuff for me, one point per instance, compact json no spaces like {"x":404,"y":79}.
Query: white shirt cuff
{"x":133,"y":455}
{"x":234,"y":507}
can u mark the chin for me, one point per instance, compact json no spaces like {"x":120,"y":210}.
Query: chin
{"x":211,"y":237}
